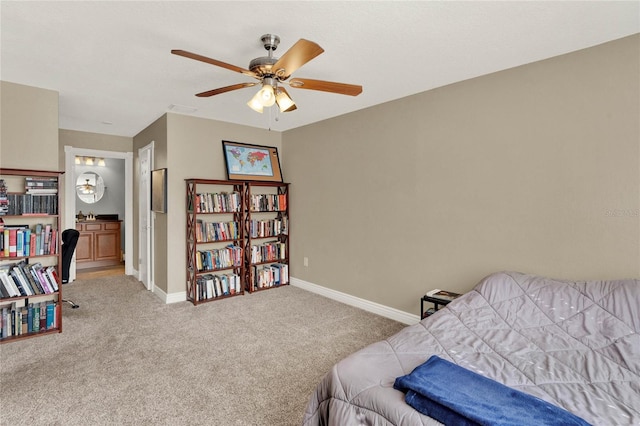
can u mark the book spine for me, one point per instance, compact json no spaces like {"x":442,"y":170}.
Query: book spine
{"x":7,"y":245}
{"x":24,"y":319}
{"x":53,"y":277}
{"x":50,"y":316}
{"x":13,"y":240}
{"x":43,"y":316}
{"x":30,"y":317}
{"x":36,"y":317}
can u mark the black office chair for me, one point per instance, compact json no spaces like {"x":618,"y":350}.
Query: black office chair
{"x":69,"y":242}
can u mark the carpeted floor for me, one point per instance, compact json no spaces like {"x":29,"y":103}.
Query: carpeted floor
{"x":125,"y":357}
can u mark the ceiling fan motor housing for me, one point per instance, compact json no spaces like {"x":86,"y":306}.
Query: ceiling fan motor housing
{"x":262,"y":66}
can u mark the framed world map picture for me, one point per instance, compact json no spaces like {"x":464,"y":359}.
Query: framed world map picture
{"x":251,"y":162}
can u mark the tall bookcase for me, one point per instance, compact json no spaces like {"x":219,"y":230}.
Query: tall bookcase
{"x":237,"y":238}
{"x":215,"y":262}
{"x":31,"y":255}
{"x":266,"y":227}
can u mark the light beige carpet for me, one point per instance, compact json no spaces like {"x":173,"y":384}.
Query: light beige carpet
{"x":125,"y":357}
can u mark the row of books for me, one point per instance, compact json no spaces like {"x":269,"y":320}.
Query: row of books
{"x":34,"y":204}
{"x":227,"y":257}
{"x":270,"y":275}
{"x":210,"y":286}
{"x":19,"y":320}
{"x":268,"y":202}
{"x":216,"y":231}
{"x":268,"y":252}
{"x":23,"y":280}
{"x":268,"y":228}
{"x":4,"y":202}
{"x":21,"y":240}
{"x":218,"y":202}
{"x":41,"y":185}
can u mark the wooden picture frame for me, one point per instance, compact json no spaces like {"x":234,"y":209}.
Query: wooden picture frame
{"x":159,"y":190}
{"x":245,"y":161}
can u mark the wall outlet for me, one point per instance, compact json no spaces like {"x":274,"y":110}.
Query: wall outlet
{"x":305,"y":261}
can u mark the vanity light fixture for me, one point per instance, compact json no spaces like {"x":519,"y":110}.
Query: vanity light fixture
{"x":90,"y":161}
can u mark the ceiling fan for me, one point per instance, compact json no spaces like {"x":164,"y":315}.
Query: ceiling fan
{"x":86,"y":188}
{"x":272,"y":73}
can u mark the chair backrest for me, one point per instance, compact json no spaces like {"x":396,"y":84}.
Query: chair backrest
{"x":69,"y":242}
{"x":70,"y":237}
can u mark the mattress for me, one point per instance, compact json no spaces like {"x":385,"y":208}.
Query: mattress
{"x":574,"y":344}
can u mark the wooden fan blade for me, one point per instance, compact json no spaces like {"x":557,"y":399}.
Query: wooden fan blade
{"x":213,"y":62}
{"x":224,"y":89}
{"x":326,"y":86}
{"x":298,"y":55}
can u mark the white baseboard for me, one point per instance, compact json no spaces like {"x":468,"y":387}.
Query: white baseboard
{"x":167,"y":298}
{"x":175,"y":297}
{"x":376,"y":308}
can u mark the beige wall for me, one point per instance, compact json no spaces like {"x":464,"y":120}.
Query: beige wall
{"x":535,"y":169}
{"x":188,"y":147}
{"x":28,"y":127}
{"x":87,"y":140}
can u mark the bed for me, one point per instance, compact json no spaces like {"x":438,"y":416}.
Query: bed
{"x":575,"y":345}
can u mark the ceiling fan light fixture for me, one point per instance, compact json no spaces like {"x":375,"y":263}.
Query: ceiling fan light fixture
{"x":255,"y":103}
{"x":285,"y":103}
{"x":267,"y":95}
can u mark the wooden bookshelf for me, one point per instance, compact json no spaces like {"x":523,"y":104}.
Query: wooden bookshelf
{"x":33,"y":256}
{"x":255,"y":227}
{"x":266,"y":229}
{"x":215,"y":259}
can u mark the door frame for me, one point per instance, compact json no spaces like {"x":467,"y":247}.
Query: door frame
{"x":70,"y":153}
{"x":147,"y":151}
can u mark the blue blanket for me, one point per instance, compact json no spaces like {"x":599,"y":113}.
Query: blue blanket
{"x":454,"y":395}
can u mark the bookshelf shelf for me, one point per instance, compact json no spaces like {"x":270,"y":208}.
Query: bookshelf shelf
{"x":31,"y":293}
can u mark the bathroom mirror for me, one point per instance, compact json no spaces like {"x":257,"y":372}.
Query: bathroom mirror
{"x":90,"y":187}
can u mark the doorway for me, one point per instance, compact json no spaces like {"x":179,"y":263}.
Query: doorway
{"x":70,"y":198}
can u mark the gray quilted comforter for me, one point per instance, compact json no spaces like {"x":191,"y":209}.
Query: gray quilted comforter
{"x":573,"y":344}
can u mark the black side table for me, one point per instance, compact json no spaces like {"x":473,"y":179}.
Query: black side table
{"x":436,"y":305}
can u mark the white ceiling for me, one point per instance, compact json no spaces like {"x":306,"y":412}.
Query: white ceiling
{"x":110,"y":61}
